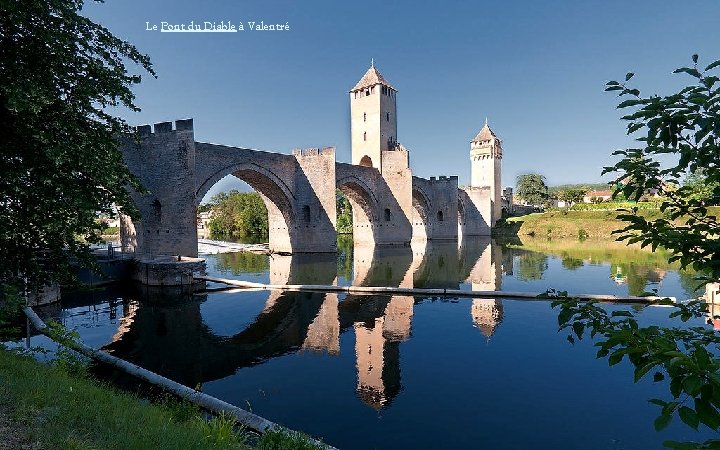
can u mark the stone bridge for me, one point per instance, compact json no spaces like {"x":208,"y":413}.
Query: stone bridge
{"x":390,"y":206}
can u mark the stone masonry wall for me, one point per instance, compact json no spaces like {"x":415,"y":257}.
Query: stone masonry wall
{"x":315,"y":200}
{"x":476,"y":211}
{"x":164,"y":161}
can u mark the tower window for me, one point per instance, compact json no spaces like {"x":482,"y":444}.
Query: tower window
{"x":364,"y":117}
{"x":387,"y":215}
{"x":306,"y":213}
{"x":440,"y":216}
{"x":365,"y":136}
{"x":387,"y":117}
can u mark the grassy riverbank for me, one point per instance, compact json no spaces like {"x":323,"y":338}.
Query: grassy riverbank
{"x":572,"y":224}
{"x":568,"y":224}
{"x":49,"y":407}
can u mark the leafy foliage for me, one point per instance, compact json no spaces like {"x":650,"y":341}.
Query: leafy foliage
{"x":554,"y":190}
{"x":614,"y":205}
{"x":684,"y":356}
{"x":700,"y":189}
{"x":344,"y":222}
{"x":572,"y":196}
{"x":61,"y":168}
{"x":686,"y":125}
{"x":10,"y":312}
{"x":240,"y":215}
{"x":531,"y":187}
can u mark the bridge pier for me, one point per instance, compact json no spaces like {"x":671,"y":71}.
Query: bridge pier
{"x":164,"y":161}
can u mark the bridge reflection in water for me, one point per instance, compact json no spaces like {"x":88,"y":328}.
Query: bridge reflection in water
{"x":165,"y":331}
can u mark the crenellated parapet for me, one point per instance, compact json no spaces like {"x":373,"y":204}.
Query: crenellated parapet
{"x":164,"y":162}
{"x":325,"y":151}
{"x":165,"y":127}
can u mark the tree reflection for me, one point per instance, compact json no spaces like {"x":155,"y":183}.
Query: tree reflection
{"x":636,"y":276}
{"x":345,"y":256}
{"x":242,"y":262}
{"x":571,"y":263}
{"x":531,"y":266}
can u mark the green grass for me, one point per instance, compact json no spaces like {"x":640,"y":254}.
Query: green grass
{"x":568,"y":224}
{"x":65,"y":411}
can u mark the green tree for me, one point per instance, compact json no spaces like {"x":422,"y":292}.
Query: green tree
{"x":344,"y":222}
{"x":685,"y":125}
{"x":572,"y":196}
{"x":532,"y":189}
{"x":700,"y":189}
{"x":61,"y":167}
{"x":238,"y":215}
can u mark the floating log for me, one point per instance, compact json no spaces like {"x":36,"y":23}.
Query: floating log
{"x":252,"y":421}
{"x":427,"y":292}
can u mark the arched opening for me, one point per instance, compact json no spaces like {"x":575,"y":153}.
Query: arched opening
{"x":387,"y":214}
{"x":461,"y":218}
{"x":248,"y":187}
{"x":365,"y":161}
{"x":440,"y":216}
{"x":362,"y":204}
{"x":420,"y":219}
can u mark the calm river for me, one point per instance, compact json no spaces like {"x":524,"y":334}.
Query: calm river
{"x":388,"y":372}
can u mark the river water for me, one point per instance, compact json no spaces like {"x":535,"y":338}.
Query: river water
{"x":366,"y":372}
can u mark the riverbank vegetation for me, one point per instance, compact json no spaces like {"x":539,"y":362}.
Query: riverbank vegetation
{"x":238,"y":215}
{"x":344,"y":213}
{"x":52,"y":407}
{"x":580,"y":223}
{"x":61,"y":72}
{"x":629,"y":265}
{"x":684,"y":126}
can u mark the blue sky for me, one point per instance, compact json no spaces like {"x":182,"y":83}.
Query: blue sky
{"x":535,"y":69}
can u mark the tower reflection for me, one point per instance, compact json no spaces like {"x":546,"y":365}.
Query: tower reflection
{"x":168,"y":333}
{"x":487,"y":314}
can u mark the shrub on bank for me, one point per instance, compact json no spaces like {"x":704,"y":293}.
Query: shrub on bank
{"x":614,"y":206}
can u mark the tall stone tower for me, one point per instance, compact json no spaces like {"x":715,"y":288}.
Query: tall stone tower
{"x":373,"y":119}
{"x":486,"y":164}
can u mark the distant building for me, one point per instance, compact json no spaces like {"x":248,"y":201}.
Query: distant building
{"x":597,"y":195}
{"x":203,"y":224}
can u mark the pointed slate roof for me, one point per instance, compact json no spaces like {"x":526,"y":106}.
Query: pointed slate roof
{"x":371,"y":78}
{"x":485,"y":134}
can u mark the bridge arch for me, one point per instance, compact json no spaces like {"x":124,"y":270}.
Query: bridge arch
{"x":364,"y":207}
{"x":461,"y":216}
{"x":420,"y":215}
{"x":275,"y":193}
